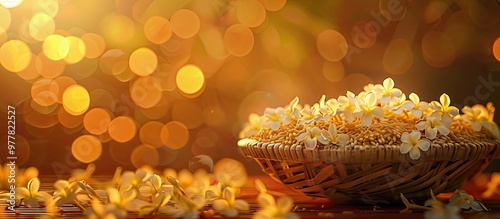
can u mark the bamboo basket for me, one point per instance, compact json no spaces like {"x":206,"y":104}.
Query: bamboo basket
{"x":371,"y":174}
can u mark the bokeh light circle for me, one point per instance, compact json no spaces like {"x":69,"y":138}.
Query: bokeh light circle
{"x":41,"y":26}
{"x":273,"y":5}
{"x":76,"y":100}
{"x":158,"y":29}
{"x":15,"y":55}
{"x":122,"y":129}
{"x":76,"y":50}
{"x":56,"y":47}
{"x":185,"y":23}
{"x":96,"y":121}
{"x":150,"y":133}
{"x":333,"y":71}
{"x":496,"y":49}
{"x":143,"y":61}
{"x":251,"y":13}
{"x":41,"y":92}
{"x":145,"y":93}
{"x":190,"y":79}
{"x":238,"y":40}
{"x":331,"y":45}
{"x":398,"y":57}
{"x":438,"y":49}
{"x":145,"y":155}
{"x":86,"y":148}
{"x":174,"y":135}
{"x":94,"y":44}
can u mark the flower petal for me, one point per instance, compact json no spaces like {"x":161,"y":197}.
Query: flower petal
{"x":220,"y":204}
{"x":301,"y":137}
{"x":113,"y":195}
{"x":388,"y":83}
{"x":421,"y":125}
{"x":241,"y":205}
{"x":415,"y":136}
{"x":342,"y":139}
{"x":23,"y":192}
{"x":414,"y":153}
{"x":417,"y":113}
{"x":414,"y":98}
{"x":311,"y":143}
{"x":476,"y":206}
{"x":443,"y":130}
{"x":61,"y":184}
{"x":423,"y":145}
{"x":366,"y":120}
{"x":476,"y":126}
{"x":405,"y":137}
{"x":378,"y":112}
{"x":446,"y":119}
{"x":266,"y":200}
{"x":33,"y":186}
{"x":430,"y":133}
{"x":405,"y":147}
{"x":274,"y":125}
{"x":445,"y":100}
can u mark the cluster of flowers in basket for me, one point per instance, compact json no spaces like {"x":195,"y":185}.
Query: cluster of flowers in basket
{"x":374,"y":103}
{"x":148,"y":193}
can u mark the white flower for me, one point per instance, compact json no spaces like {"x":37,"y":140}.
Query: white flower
{"x":369,"y":108}
{"x":369,"y":88}
{"x":328,"y":108}
{"x":271,"y":208}
{"x":30,"y":194}
{"x":228,"y":205}
{"x":158,"y":202}
{"x":418,"y":106}
{"x":254,"y":125}
{"x":431,"y":126}
{"x":443,"y":110}
{"x":275,"y":117}
{"x":65,"y":192}
{"x":475,"y":117}
{"x":332,"y":136}
{"x":293,"y":109}
{"x":465,"y":201}
{"x":413,"y":144}
{"x":348,"y":106}
{"x":309,"y":114}
{"x":151,"y":186}
{"x":399,"y":104}
{"x":386,"y":91}
{"x":310,"y":137}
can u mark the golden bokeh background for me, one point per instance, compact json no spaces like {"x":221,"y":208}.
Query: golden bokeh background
{"x":170,"y":83}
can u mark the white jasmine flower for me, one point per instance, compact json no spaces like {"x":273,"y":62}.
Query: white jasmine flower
{"x":413,"y":144}
{"x":418,"y":106}
{"x":386,"y":91}
{"x":369,"y":108}
{"x":310,"y":137}
{"x":348,"y":106}
{"x":333,"y":137}
{"x":443,"y":110}
{"x":432,"y":126}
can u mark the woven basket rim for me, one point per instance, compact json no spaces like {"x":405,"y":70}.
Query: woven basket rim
{"x":363,"y":154}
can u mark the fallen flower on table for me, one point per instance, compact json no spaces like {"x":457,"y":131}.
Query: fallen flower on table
{"x":228,"y":205}
{"x":159,"y":201}
{"x":271,"y":208}
{"x":30,"y":194}
{"x":466,"y":201}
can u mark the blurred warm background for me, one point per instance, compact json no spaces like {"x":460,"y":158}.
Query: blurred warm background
{"x":169,"y":83}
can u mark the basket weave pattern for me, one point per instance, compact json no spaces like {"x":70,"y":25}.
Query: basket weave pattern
{"x":367,"y":172}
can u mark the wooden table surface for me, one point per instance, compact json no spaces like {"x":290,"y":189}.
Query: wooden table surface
{"x":305,"y":207}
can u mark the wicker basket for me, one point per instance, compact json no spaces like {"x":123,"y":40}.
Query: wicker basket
{"x":370,"y":173}
{"x":372,"y":146}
